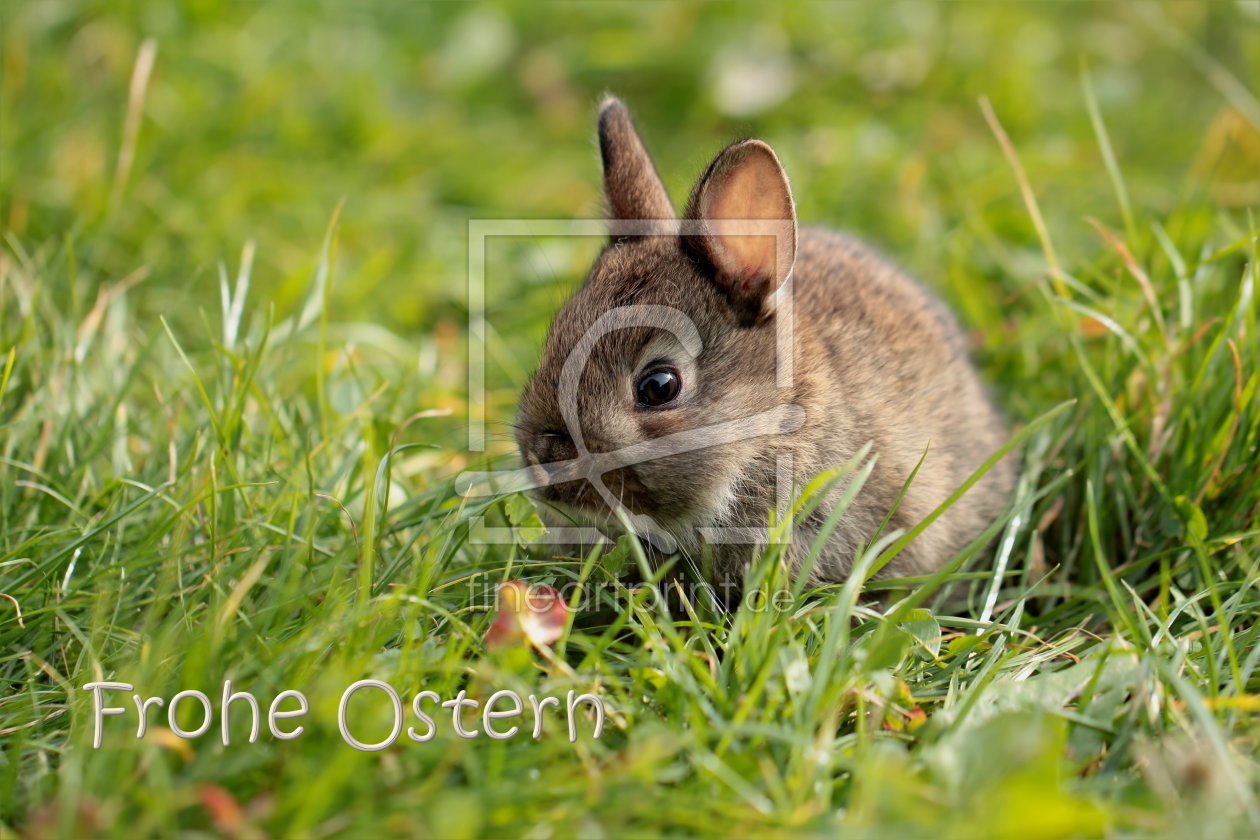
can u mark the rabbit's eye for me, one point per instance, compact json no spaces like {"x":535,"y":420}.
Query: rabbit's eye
{"x":658,"y":387}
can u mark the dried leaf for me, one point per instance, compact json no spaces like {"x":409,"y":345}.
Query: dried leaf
{"x":223,"y":809}
{"x":166,"y":738}
{"x":527,"y":615}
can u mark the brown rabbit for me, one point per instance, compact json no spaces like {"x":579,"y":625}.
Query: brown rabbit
{"x":660,"y":393}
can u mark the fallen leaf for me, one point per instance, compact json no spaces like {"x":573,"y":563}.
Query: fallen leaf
{"x":1092,"y":327}
{"x":166,"y":738}
{"x":223,"y":809}
{"x":527,"y":614}
{"x":1234,"y":702}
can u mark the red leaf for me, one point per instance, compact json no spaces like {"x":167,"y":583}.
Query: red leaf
{"x":222,"y":807}
{"x":527,"y":614}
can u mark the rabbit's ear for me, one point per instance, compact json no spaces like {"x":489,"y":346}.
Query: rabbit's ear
{"x":741,"y":220}
{"x":633,"y":189}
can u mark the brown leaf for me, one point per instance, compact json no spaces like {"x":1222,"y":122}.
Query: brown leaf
{"x":223,"y":809}
{"x":527,"y":615}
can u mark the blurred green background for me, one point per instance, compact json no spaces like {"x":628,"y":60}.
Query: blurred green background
{"x":260,"y":118}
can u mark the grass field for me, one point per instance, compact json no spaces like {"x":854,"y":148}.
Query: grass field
{"x":233,"y":399}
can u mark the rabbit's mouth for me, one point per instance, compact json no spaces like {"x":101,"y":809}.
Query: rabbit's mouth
{"x":670,"y":512}
{"x":580,"y":495}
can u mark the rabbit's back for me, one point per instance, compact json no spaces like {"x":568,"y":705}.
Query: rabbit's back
{"x":883,"y":360}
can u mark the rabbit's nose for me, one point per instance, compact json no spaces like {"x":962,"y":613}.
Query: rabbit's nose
{"x":551,"y":446}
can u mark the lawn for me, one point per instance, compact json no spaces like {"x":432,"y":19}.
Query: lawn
{"x":234,"y":399}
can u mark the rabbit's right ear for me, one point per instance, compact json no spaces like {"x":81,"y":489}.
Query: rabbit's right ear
{"x":631,"y":186}
{"x":745,"y":225}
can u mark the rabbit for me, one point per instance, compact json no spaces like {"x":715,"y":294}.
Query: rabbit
{"x":690,"y":354}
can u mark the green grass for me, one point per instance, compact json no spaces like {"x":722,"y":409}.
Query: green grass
{"x":232,"y":403}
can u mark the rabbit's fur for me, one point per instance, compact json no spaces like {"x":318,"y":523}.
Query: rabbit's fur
{"x":876,"y":358}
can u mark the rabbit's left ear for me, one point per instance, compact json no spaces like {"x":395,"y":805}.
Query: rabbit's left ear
{"x":633,"y":189}
{"x":743,"y":223}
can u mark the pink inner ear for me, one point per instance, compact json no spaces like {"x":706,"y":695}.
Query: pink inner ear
{"x":746,"y":251}
{"x":757,"y":281}
{"x":751,"y":259}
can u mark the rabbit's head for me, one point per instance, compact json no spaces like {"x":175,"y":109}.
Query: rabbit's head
{"x":657,"y":386}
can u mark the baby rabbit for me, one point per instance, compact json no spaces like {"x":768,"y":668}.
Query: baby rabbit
{"x":708,"y":361}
